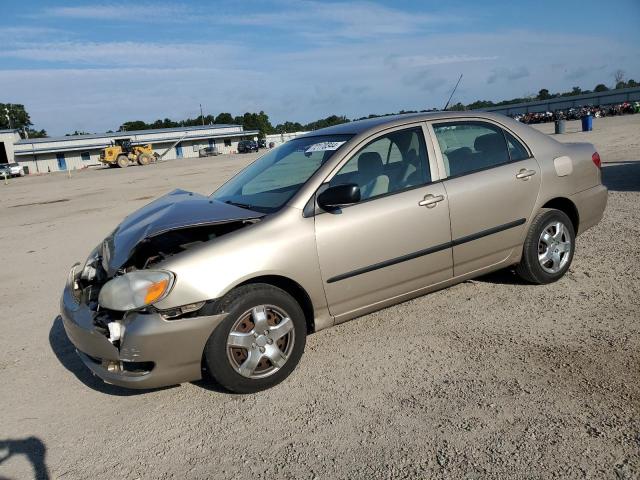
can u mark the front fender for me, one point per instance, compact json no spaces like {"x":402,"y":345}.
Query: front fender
{"x":282,"y":245}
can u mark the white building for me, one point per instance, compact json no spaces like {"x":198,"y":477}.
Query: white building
{"x":280,"y":138}
{"x":42,"y":155}
{"x":7,"y":139}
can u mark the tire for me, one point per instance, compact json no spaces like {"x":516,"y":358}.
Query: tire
{"x":245,"y":306}
{"x":548,"y":249}
{"x":145,"y":159}
{"x":122,"y":161}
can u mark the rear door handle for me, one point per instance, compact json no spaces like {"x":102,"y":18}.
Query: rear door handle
{"x":524,"y":174}
{"x":431,"y":201}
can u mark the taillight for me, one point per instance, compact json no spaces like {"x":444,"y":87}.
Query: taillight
{"x":596,"y":159}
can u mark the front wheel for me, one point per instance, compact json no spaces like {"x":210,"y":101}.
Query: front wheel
{"x":260,"y":341}
{"x":548,"y":248}
{"x":122,"y":161}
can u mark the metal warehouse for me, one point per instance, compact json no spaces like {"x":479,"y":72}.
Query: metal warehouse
{"x":609,"y":97}
{"x":43,"y":155}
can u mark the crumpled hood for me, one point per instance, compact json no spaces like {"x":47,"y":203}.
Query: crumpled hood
{"x":177,"y":209}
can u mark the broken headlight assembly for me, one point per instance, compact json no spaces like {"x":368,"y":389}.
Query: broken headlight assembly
{"x":135,"y":290}
{"x":89,"y":270}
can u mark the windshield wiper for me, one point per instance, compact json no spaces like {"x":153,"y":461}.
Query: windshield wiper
{"x":241,"y":205}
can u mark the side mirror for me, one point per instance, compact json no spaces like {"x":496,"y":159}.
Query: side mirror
{"x":339,"y":195}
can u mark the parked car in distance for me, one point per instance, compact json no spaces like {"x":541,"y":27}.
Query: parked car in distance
{"x":247,"y":146}
{"x":208,"y":152}
{"x":327,"y":227}
{"x":11,"y":170}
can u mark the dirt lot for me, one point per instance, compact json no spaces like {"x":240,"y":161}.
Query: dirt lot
{"x":489,"y":379}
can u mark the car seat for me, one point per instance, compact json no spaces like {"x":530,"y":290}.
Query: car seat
{"x":371,"y":179}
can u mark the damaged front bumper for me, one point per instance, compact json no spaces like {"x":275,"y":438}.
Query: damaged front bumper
{"x":152,"y":352}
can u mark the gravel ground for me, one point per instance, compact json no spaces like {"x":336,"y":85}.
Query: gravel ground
{"x":488,"y":379}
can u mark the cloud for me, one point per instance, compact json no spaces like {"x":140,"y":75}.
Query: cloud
{"x":122,"y":12}
{"x":124,"y":53}
{"x":353,"y":20}
{"x":508,"y":74}
{"x":82,"y":83}
{"x":580,"y":72}
{"x":424,"y":80}
{"x":17,"y":33}
{"x":424,"y":61}
{"x":314,"y":20}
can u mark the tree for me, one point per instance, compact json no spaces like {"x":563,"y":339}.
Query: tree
{"x":14,"y":115}
{"x":224,"y":118}
{"x":288,"y":127}
{"x":543,"y":94}
{"x":133,"y":125}
{"x":326,"y":122}
{"x":618,"y":75}
{"x":601,"y":87}
{"x":256,"y":121}
{"x":632,"y":83}
{"x":76,"y":132}
{"x":457,"y":107}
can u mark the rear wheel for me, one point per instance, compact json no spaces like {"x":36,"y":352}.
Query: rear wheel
{"x":145,"y":159}
{"x":548,"y":248}
{"x":122,"y":161}
{"x":259,"y":343}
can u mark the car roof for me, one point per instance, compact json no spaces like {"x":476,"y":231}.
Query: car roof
{"x":377,"y":123}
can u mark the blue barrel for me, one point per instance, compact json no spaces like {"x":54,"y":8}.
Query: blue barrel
{"x":587,"y":123}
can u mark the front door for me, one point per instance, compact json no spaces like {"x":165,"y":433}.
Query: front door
{"x":396,"y":240}
{"x":62,"y":163}
{"x":492,"y":186}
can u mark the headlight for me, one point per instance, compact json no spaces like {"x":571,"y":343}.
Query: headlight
{"x":89,"y":269}
{"x":135,"y":290}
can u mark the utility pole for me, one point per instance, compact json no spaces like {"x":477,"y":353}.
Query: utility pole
{"x":201,"y":116}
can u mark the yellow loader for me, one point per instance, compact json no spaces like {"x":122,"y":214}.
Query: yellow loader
{"x":122,"y":154}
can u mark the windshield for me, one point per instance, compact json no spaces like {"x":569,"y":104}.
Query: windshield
{"x":268,"y":183}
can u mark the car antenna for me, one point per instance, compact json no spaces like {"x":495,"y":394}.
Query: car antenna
{"x":454,"y":91}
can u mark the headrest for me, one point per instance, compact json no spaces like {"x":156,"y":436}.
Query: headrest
{"x":370,"y":163}
{"x":489,"y":143}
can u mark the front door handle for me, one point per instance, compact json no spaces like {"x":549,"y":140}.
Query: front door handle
{"x":431,"y":201}
{"x":524,"y":174}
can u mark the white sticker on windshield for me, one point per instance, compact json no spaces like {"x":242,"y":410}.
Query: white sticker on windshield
{"x":324,"y":146}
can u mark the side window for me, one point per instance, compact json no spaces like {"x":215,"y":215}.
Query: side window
{"x":516,"y":149}
{"x":389,"y":164}
{"x":470,"y":146}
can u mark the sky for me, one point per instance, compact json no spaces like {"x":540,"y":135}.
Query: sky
{"x":90,"y":66}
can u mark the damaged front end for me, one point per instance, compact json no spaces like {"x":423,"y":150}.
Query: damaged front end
{"x":107,"y":305}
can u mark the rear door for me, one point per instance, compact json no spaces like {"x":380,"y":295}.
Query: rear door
{"x":492,"y":184}
{"x":396,"y":240}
